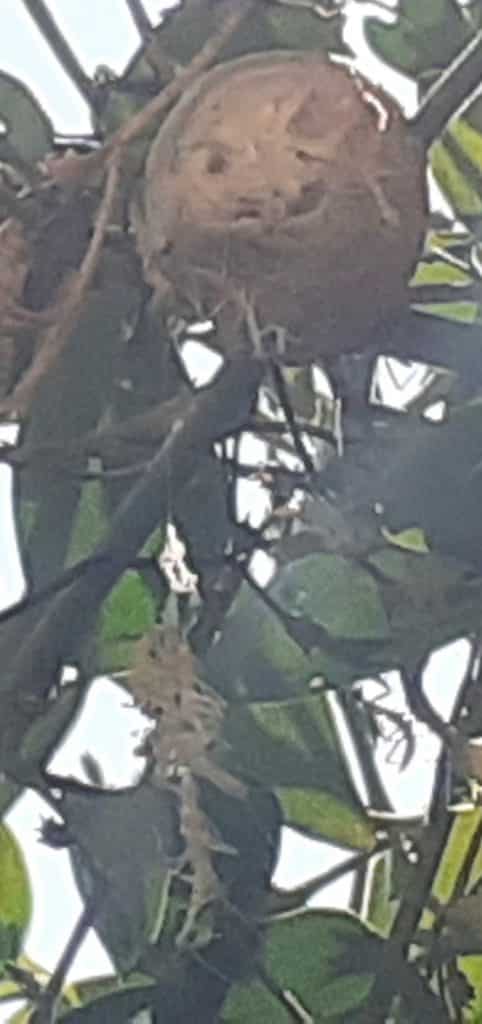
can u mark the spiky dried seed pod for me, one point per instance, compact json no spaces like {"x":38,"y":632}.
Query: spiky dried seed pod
{"x":284,"y":183}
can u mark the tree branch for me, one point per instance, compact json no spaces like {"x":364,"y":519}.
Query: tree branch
{"x":413,"y":903}
{"x":462,"y":77}
{"x":285,"y":997}
{"x":70,"y":308}
{"x":281,"y":901}
{"x":140,"y":19}
{"x":292,"y":423}
{"x":71,"y":615}
{"x":40,"y":14}
{"x":46,"y":1012}
{"x":236,"y":12}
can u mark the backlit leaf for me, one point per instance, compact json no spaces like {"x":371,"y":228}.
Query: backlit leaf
{"x":292,"y":748}
{"x":335,"y":593}
{"x":128,"y":612}
{"x":28,"y":129}
{"x":325,"y":959}
{"x":15,"y":895}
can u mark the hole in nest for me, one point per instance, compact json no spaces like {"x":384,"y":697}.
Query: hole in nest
{"x":246,"y":211}
{"x":304,"y":157}
{"x":216,"y":163}
{"x":310,"y":198}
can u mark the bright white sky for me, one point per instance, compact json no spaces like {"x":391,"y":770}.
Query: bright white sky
{"x":88,"y":27}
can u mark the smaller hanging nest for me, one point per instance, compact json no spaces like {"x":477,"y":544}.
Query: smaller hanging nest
{"x":284,"y":188}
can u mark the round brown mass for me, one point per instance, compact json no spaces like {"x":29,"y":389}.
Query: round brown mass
{"x":284,"y":184}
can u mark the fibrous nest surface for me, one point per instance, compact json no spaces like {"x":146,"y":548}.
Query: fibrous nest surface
{"x":284,"y":182}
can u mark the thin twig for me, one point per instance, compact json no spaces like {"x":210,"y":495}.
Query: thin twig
{"x":444,"y":99}
{"x":288,"y":1000}
{"x":421,"y":707}
{"x":137,"y":125}
{"x":280,"y":385}
{"x":258,"y":426}
{"x":293,"y":899}
{"x":119,"y":473}
{"x":160,"y":104}
{"x":46,"y":1012}
{"x":438,"y":789}
{"x":140,"y":19}
{"x":264,"y":472}
{"x":463,"y":878}
{"x":309,"y":634}
{"x":65,"y":579}
{"x":56,"y":337}
{"x":40,"y":14}
{"x":72,"y":613}
{"x":413,"y":903}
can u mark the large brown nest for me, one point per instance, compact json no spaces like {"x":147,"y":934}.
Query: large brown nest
{"x":285,"y":184}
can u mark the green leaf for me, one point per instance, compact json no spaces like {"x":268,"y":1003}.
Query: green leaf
{"x":408,"y":540}
{"x":469,"y":141}
{"x":88,"y":989}
{"x":15,"y":895}
{"x":128,"y":612}
{"x":424,"y":37}
{"x":90,"y":523}
{"x":380,"y":906}
{"x":429,"y":599}
{"x":462,"y":195}
{"x":325,"y":959}
{"x":22,"y":1016}
{"x":69,"y":404}
{"x":299,"y":28}
{"x":249,"y":1003}
{"x":318,"y":813}
{"x":255,"y":657}
{"x":8,"y":794}
{"x":335,"y":593}
{"x":453,"y":241}
{"x":461,"y":836}
{"x":122,"y":843}
{"x":434,"y":483}
{"x":346,"y":994}
{"x":155,"y":543}
{"x":29,"y":130}
{"x":472,"y":968}
{"x":48,"y":728}
{"x":439,"y":272}
{"x":292,"y":748}
{"x":456,"y":312}
{"x":9,"y":990}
